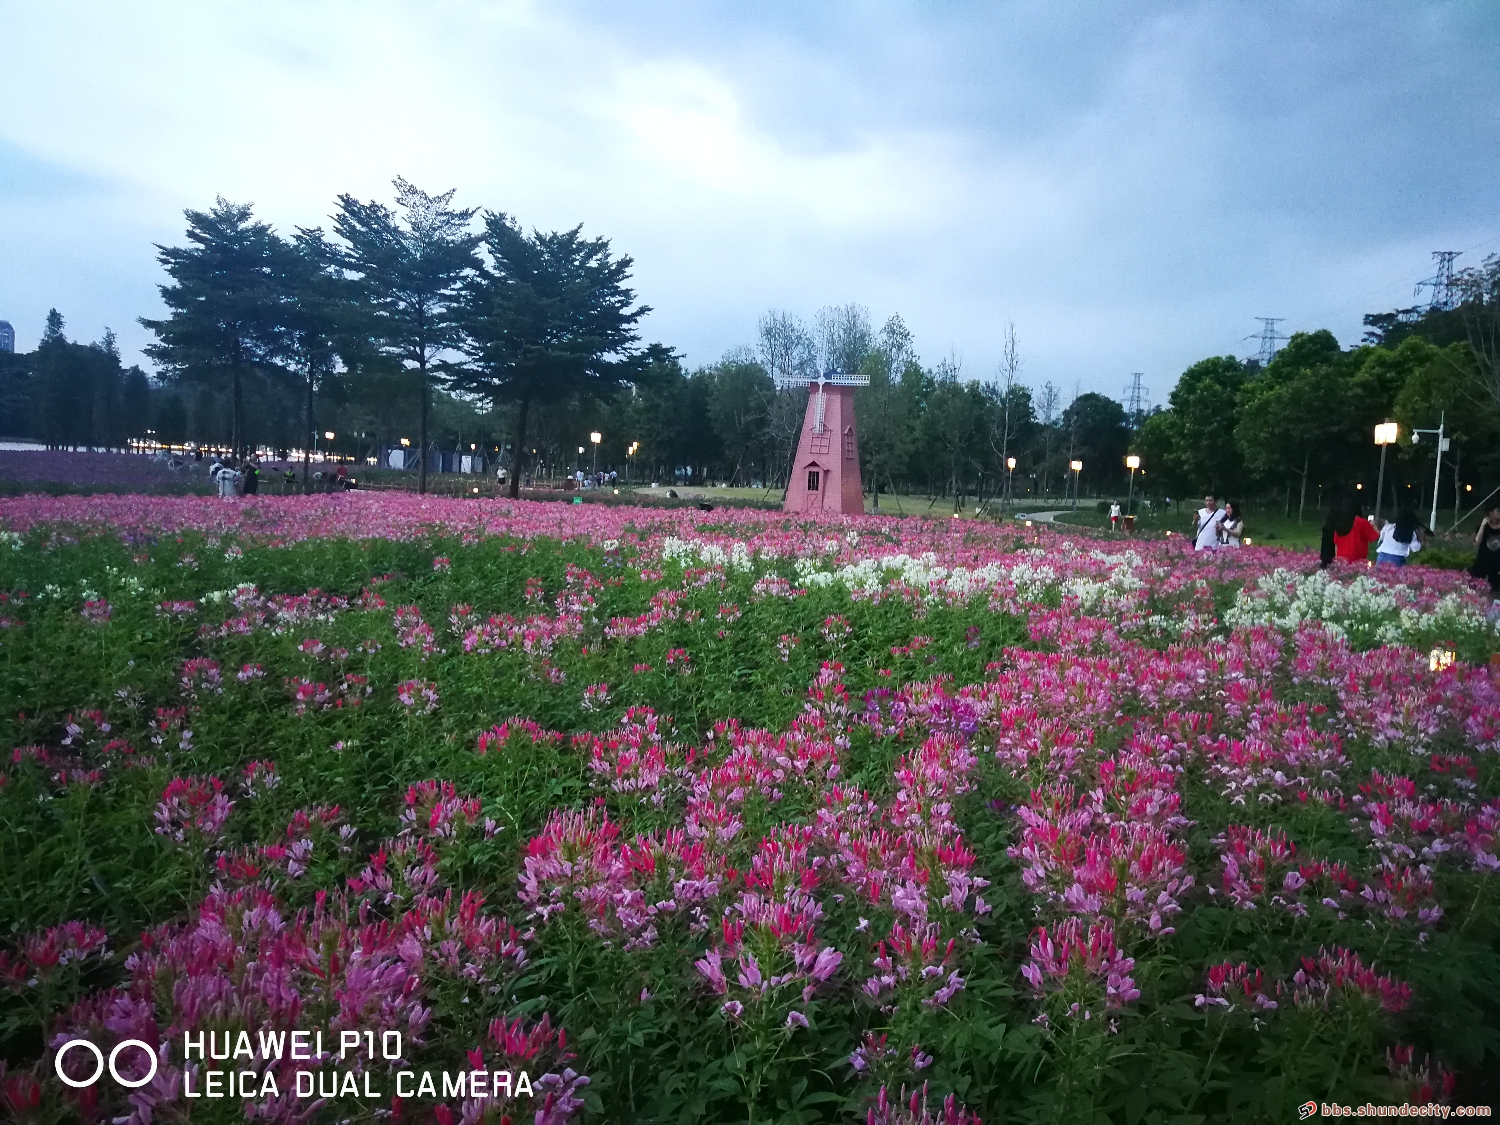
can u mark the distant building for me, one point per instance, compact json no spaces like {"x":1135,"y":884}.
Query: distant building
{"x":7,"y":337}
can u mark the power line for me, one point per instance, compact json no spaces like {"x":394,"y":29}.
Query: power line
{"x":1270,"y":339}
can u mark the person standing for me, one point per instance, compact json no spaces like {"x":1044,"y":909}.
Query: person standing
{"x":1487,"y":548}
{"x":1232,"y":526}
{"x":252,"y":476}
{"x":1399,"y":539}
{"x":1206,"y":529}
{"x":1114,"y":515}
{"x":1347,"y":534}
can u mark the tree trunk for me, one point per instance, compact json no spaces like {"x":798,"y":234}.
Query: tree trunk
{"x":1302,"y":503}
{"x":237,"y":426}
{"x":307,"y":431}
{"x":519,"y":459}
{"x":422,"y":429}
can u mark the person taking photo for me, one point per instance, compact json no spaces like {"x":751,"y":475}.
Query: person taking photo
{"x":1206,"y":529}
{"x":1232,"y":526}
{"x":1399,"y":539}
{"x":1487,"y":547}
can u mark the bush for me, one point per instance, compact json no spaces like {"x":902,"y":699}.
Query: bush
{"x":1444,"y":558}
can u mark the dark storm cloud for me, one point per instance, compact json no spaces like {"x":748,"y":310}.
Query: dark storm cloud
{"x":1130,"y":184}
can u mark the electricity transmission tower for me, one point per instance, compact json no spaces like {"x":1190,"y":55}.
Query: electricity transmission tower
{"x":1135,"y":401}
{"x":1269,"y":338}
{"x":1441,"y":283}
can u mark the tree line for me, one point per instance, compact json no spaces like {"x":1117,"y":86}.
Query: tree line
{"x":456,"y":329}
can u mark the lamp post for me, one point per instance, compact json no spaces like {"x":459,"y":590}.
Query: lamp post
{"x":1010,"y":481}
{"x":1077,"y":467}
{"x":1132,"y":463}
{"x":629,"y":453}
{"x":596,"y":437}
{"x":1443,"y":443}
{"x":1385,"y":437}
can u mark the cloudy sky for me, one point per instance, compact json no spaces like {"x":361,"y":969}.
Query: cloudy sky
{"x":1130,"y":184}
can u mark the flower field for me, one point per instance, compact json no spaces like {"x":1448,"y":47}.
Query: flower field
{"x":729,"y":817}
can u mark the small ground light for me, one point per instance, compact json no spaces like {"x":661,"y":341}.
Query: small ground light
{"x":1439,"y":658}
{"x":476,"y":492}
{"x":1359,"y":487}
{"x":1028,"y":523}
{"x":1247,"y":540}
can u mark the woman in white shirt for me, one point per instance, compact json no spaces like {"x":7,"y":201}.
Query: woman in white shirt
{"x":1232,"y":527}
{"x":1399,"y":539}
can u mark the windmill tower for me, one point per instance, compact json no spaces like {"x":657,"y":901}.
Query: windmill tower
{"x":825,"y":471}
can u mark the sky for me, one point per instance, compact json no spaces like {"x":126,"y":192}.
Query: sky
{"x":1130,"y":185}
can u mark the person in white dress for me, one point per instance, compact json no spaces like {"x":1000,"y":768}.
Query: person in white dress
{"x":1206,"y":530}
{"x":1232,"y":526}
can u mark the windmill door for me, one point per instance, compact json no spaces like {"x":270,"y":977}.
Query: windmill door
{"x":817,"y":485}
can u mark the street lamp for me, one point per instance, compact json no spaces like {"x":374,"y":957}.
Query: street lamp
{"x":1132,"y":463}
{"x":596,"y":437}
{"x":1010,"y":480}
{"x":1077,"y":467}
{"x":1442,"y":443}
{"x":1385,"y":437}
{"x":629,"y":453}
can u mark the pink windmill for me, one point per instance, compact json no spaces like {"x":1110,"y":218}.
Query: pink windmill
{"x":825,"y":471}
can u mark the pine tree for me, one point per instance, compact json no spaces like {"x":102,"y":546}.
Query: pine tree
{"x":548,"y":320}
{"x":223,"y":303}
{"x":409,"y":272}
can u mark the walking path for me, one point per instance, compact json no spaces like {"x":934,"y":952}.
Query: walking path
{"x":1042,"y":517}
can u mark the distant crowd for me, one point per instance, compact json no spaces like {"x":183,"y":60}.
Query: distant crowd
{"x":242,"y":477}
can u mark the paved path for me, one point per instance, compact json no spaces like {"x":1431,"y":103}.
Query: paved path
{"x":1042,"y":517}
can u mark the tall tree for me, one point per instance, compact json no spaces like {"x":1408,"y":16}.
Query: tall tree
{"x":1099,"y":437}
{"x":738,"y":404}
{"x":410,"y":271}
{"x":315,"y":312}
{"x":1005,"y":418}
{"x":1204,"y":409}
{"x":790,"y":356}
{"x":1479,"y":288}
{"x":549,"y":318}
{"x":786,"y":347}
{"x":222,"y":303}
{"x":843,"y":337}
{"x":1299,"y":414}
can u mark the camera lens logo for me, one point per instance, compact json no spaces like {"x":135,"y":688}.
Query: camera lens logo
{"x":1306,"y":1110}
{"x":128,"y":1083}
